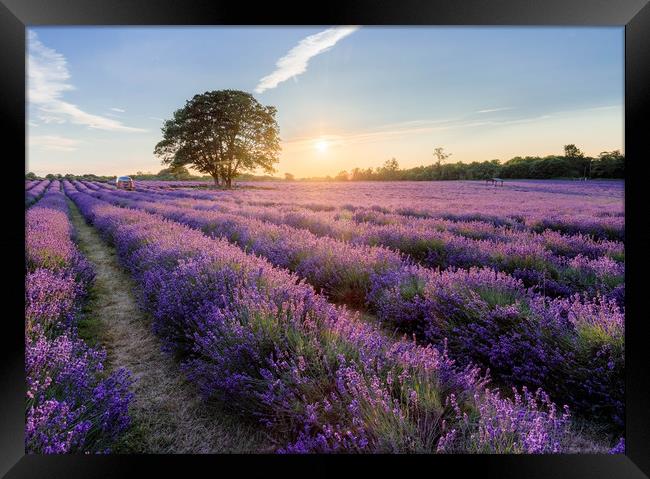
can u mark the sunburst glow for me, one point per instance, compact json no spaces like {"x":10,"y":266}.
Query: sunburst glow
{"x":321,"y":145}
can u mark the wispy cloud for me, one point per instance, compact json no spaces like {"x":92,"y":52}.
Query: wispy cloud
{"x":53,"y":142}
{"x":605,"y":107}
{"x":296,"y":60}
{"x":491,"y":110}
{"x":51,"y":119}
{"x":48,"y":79}
{"x":119,"y":110}
{"x":156,"y":118}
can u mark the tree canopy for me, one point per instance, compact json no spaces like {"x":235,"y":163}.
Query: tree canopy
{"x":221,"y":133}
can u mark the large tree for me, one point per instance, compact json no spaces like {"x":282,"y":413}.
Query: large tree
{"x":221,"y":133}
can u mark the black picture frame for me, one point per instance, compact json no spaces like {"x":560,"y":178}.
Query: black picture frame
{"x":634,"y":15}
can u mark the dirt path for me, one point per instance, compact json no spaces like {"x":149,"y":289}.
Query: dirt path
{"x":168,"y":413}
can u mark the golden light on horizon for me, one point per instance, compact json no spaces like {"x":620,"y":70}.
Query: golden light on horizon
{"x":321,"y":145}
{"x":318,"y":151}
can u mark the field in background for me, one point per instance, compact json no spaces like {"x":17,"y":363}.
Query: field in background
{"x":441,"y":196}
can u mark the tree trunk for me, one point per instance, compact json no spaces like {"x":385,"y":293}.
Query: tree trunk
{"x":216,"y":179}
{"x":228,"y":181}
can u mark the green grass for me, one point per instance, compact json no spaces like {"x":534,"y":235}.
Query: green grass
{"x":412,"y":288}
{"x":496,"y":296}
{"x":133,"y":441}
{"x":89,"y":326}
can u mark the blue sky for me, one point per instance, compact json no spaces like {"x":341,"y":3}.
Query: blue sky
{"x":346,"y":97}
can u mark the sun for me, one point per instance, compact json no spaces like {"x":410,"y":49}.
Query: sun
{"x":321,"y":145}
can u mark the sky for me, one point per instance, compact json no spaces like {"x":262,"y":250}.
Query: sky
{"x":346,"y":97}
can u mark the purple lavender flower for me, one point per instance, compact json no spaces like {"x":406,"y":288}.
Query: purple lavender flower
{"x":619,"y":448}
{"x":274,"y":349}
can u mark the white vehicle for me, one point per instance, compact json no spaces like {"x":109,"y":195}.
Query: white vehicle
{"x":124,"y":183}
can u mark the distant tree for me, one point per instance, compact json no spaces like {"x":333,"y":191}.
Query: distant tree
{"x":572,"y":151}
{"x":341,"y":176}
{"x":30,"y":176}
{"x":221,"y":133}
{"x":362,"y":175}
{"x":609,"y":164}
{"x":551,"y":167}
{"x":440,"y":155}
{"x":289,"y":177}
{"x":389,"y":171}
{"x":391,"y":165}
{"x":517,"y":167}
{"x":177,"y":173}
{"x":576,"y":161}
{"x":483,"y":170}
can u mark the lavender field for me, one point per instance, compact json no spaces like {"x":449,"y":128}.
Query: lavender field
{"x":355,"y":317}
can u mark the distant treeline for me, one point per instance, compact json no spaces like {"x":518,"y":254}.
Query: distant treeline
{"x":167,"y":174}
{"x":572,"y":164}
{"x":68,"y":176}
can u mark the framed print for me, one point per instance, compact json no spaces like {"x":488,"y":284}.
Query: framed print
{"x":370,"y":234}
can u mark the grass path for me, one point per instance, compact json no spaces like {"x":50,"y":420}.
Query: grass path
{"x":168,"y":413}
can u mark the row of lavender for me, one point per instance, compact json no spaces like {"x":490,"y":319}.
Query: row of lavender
{"x":35,"y":191}
{"x":275,"y":351}
{"x":73,"y":404}
{"x":555,"y":264}
{"x":572,"y":347}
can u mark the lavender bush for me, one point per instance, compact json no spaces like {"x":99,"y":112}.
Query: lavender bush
{"x":73,"y":404}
